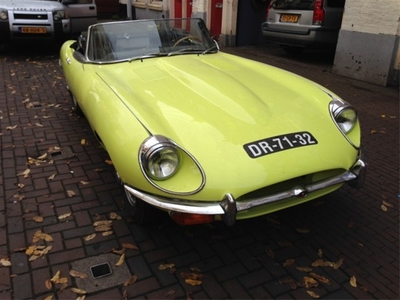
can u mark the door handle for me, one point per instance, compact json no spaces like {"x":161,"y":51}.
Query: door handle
{"x":91,"y":7}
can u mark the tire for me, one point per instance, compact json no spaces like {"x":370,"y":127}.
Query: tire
{"x":141,"y":212}
{"x":75,"y":105}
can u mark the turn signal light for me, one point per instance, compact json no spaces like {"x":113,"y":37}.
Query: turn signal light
{"x":191,"y":219}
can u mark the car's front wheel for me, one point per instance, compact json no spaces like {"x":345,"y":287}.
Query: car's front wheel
{"x":140,"y":211}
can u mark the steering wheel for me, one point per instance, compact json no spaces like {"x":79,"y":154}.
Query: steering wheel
{"x":187,"y":38}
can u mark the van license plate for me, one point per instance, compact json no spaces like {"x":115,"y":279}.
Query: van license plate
{"x":35,"y":30}
{"x":289,"y":18}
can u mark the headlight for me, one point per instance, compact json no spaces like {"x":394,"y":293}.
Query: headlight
{"x":159,"y":158}
{"x":344,"y":115}
{"x":3,"y":15}
{"x":60,"y":14}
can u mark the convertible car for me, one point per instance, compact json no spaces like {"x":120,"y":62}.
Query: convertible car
{"x":205,"y":135}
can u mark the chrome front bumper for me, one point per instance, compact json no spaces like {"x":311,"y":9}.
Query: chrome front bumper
{"x":228,"y":207}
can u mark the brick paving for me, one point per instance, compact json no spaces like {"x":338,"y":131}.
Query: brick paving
{"x":259,"y":258}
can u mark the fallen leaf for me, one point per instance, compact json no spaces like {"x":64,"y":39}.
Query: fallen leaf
{"x":62,"y":280}
{"x":43,"y":156}
{"x":125,"y":295}
{"x":130,"y":246}
{"x":304,"y":269}
{"x":288,"y":262}
{"x":5,"y":262}
{"x":193,"y":276}
{"x":115,"y":216}
{"x":119,"y":252}
{"x":48,"y":284}
{"x":193,"y":282}
{"x":11,"y":127}
{"x":84,"y":182}
{"x":320,"y":253}
{"x":39,"y":125}
{"x":38,"y":219}
{"x":25,"y":173}
{"x":39,"y":235}
{"x":70,"y":193}
{"x":166,"y":266}
{"x":90,"y":237}
{"x":52,"y":176}
{"x":131,"y":280}
{"x":101,"y":223}
{"x":353,"y":281}
{"x":383,"y":207}
{"x":302,"y":230}
{"x":83,"y":142}
{"x":108,"y":162}
{"x":313,"y":294}
{"x":269,"y":252}
{"x":56,"y":276}
{"x":308,"y":282}
{"x":49,"y":297}
{"x":102,"y":228}
{"x":107,"y":233}
{"x":82,"y":297}
{"x":121,"y":260}
{"x":64,"y":216}
{"x":273,"y":221}
{"x":290,"y":281}
{"x":77,"y":274}
{"x":320,"y":278}
{"x":78,"y":291}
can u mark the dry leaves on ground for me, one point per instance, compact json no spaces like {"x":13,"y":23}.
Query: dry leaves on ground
{"x":5,"y":262}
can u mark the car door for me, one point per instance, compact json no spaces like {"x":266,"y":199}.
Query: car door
{"x":83,"y":13}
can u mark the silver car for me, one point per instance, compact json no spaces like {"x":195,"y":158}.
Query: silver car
{"x":300,"y":24}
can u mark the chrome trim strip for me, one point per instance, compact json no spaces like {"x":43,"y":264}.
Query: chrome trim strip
{"x":229,"y":207}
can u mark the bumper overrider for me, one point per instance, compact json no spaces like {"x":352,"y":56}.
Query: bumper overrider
{"x":229,"y":207}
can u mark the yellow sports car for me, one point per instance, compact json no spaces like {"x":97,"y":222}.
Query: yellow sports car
{"x":205,"y":135}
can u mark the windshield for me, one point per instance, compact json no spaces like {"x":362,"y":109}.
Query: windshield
{"x":120,"y":41}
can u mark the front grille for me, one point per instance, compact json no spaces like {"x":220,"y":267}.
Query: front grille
{"x":291,"y":183}
{"x":30,"y":16}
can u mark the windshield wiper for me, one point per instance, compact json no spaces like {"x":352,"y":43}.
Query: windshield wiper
{"x":150,"y":55}
{"x":184,"y":51}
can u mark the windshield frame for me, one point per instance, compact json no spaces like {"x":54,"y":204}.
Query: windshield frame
{"x":113,"y":42}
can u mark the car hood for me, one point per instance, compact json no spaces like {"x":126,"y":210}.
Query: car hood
{"x":212,"y":105}
{"x":31,"y":5}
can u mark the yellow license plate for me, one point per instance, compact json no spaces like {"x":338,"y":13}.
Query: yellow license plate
{"x":36,"y":30}
{"x":289,"y":18}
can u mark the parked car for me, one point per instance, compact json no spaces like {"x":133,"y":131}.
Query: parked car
{"x":300,"y":24}
{"x":202,"y":134}
{"x":45,"y":20}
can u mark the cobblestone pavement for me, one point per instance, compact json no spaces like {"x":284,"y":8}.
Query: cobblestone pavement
{"x":355,"y":233}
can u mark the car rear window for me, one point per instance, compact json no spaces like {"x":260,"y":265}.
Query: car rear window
{"x":304,"y":4}
{"x":290,"y":4}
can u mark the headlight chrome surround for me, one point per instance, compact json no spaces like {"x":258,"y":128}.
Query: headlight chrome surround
{"x":345,"y":117}
{"x":180,"y":173}
{"x":3,"y":14}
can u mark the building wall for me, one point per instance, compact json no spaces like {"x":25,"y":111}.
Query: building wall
{"x":368,"y":45}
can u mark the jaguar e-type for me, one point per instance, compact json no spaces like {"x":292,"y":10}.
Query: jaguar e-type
{"x":202,"y":134}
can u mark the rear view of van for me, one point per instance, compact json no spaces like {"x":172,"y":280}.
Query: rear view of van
{"x":300,"y":24}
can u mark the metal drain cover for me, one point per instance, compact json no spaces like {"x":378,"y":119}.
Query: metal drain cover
{"x":61,"y":153}
{"x":99,"y":277}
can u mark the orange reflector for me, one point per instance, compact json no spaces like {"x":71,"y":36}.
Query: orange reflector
{"x":191,"y":219}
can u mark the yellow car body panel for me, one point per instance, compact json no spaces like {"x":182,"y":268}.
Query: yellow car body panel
{"x":210,"y":105}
